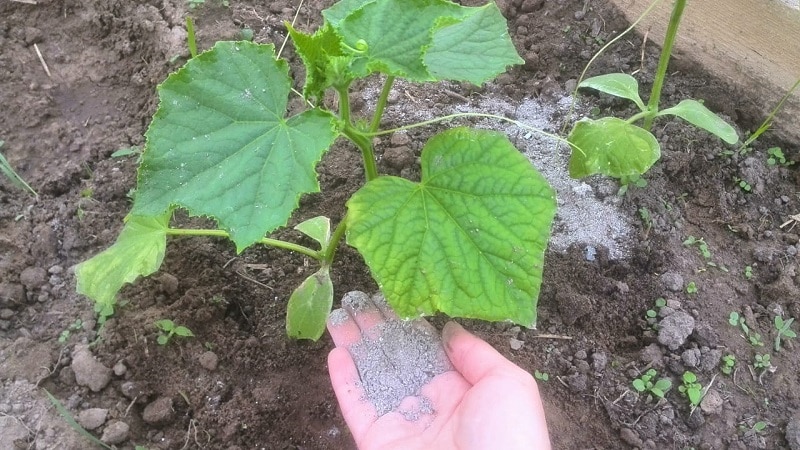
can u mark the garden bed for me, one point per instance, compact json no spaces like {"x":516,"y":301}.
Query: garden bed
{"x":240,"y":383}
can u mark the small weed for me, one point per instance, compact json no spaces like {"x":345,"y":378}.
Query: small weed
{"x":658,"y":387}
{"x":691,"y":388}
{"x":727,"y":364}
{"x":691,"y":288}
{"x":127,"y":151}
{"x":776,"y":157}
{"x":653,"y":313}
{"x":743,"y":184}
{"x":784,"y":331}
{"x":74,"y":326}
{"x":630,"y":180}
{"x":757,"y":427}
{"x":541,"y":376}
{"x":169,"y":329}
{"x":762,"y":362}
{"x":701,"y":245}
{"x":748,"y":273}
{"x":736,"y":320}
{"x":647,"y":219}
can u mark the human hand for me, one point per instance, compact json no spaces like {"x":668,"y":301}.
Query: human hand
{"x":482,"y":401}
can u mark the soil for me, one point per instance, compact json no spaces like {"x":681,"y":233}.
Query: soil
{"x":240,"y":383}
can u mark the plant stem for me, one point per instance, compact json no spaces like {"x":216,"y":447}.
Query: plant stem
{"x":663,"y":62}
{"x":364,"y":143}
{"x":644,"y":114}
{"x":266,"y":241}
{"x":338,"y":233}
{"x":344,"y":104}
{"x":382,"y":99}
{"x":768,"y":121}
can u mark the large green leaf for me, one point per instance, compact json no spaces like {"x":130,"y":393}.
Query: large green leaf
{"x":612,"y":147}
{"x":138,"y":251}
{"x":698,"y":115}
{"x":316,"y":51}
{"x":617,"y":84}
{"x":309,"y":306}
{"x":426,"y":40}
{"x":468,"y":240}
{"x":475,"y":49}
{"x":220,"y":146}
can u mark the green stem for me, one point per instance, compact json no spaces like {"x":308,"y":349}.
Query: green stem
{"x":382,"y":99}
{"x":364,"y":143}
{"x":644,"y":114}
{"x":768,"y":121}
{"x":344,"y":104}
{"x":266,"y":241}
{"x":663,"y":62}
{"x":190,"y":36}
{"x":338,"y":233}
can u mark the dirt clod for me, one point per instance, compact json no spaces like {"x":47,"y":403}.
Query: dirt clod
{"x":159,"y":412}
{"x":116,"y":432}
{"x":89,"y":371}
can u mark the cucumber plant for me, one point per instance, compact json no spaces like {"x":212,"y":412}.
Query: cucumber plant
{"x":618,"y":148}
{"x":468,"y":239}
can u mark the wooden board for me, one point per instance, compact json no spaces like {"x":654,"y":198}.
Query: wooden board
{"x":753,"y":43}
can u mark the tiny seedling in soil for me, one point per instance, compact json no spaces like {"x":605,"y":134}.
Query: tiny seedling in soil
{"x":691,"y":388}
{"x":727,"y":364}
{"x":651,"y":315}
{"x":74,"y":326}
{"x":168,"y":329}
{"x":541,"y":376}
{"x":242,"y":162}
{"x":600,"y":144}
{"x":648,"y":383}
{"x":691,"y":288}
{"x":743,"y":184}
{"x":647,"y":219}
{"x":757,"y":427}
{"x":776,"y":157}
{"x":767,"y":123}
{"x":762,"y":362}
{"x":748,"y":273}
{"x":736,"y":320}
{"x":701,"y":245}
{"x":783,"y":328}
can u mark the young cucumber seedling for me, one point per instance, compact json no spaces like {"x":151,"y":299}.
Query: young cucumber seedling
{"x":468,"y":239}
{"x":617,"y":147}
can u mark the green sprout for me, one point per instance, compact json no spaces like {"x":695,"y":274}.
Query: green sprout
{"x":9,"y":172}
{"x":727,"y":364}
{"x":691,"y":288}
{"x":168,"y":329}
{"x":736,"y":320}
{"x":541,"y":376}
{"x":691,"y":388}
{"x":776,"y":157}
{"x":648,"y":383}
{"x":762,"y":362}
{"x":74,"y":326}
{"x":748,"y":272}
{"x":701,"y":245}
{"x":783,"y":327}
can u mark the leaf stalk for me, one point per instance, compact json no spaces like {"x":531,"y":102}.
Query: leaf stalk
{"x":663,"y":62}
{"x":265,"y":241}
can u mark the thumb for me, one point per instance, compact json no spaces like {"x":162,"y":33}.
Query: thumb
{"x":472,"y":356}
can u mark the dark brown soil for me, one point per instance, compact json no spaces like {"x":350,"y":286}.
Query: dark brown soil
{"x":105,"y":59}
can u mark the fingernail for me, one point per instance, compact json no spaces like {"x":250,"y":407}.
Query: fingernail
{"x":449,"y":330}
{"x":338,"y":317}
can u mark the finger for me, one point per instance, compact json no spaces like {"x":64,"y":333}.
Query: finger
{"x":359,"y":414}
{"x":343,"y":328}
{"x":363,"y":310}
{"x":473,"y":357}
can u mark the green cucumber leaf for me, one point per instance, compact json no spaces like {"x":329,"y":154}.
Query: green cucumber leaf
{"x":476,"y":49}
{"x":617,"y":84}
{"x":698,"y":115}
{"x":138,"y":251}
{"x":309,"y":306}
{"x":315,"y":51}
{"x":468,"y":240}
{"x":182,"y":331}
{"x":426,"y":40}
{"x":165,"y":325}
{"x":220,"y":146}
{"x":612,"y":147}
{"x":317,"y":228}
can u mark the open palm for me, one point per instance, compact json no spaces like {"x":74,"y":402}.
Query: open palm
{"x":484,"y":402}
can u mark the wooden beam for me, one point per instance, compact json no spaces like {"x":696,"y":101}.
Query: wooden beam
{"x":753,"y":44}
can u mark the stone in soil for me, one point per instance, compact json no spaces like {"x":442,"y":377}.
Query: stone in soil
{"x":88,"y":371}
{"x":116,"y":432}
{"x":159,"y":412}
{"x":92,"y":418}
{"x":209,"y":361}
{"x":674,"y":329}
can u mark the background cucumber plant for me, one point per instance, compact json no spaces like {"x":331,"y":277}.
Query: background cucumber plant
{"x":468,"y":239}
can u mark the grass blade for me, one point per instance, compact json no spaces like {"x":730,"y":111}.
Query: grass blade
{"x":5,"y":167}
{"x":72,"y":423}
